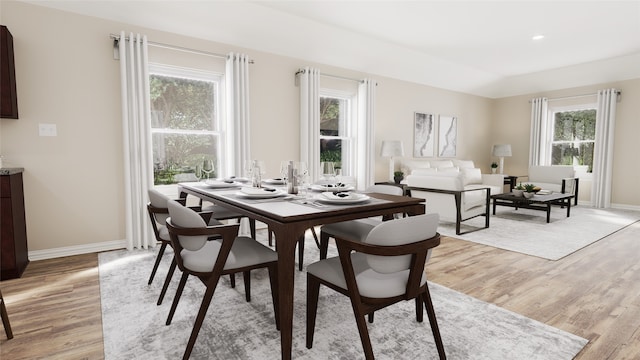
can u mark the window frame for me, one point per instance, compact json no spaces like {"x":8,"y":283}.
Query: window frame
{"x":348,"y":123}
{"x":219,"y":129}
{"x":552,"y":110}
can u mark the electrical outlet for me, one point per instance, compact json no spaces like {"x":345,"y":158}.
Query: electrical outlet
{"x":48,"y":130}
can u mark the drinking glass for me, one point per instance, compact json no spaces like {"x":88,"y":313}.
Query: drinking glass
{"x":259,"y":170}
{"x":198,"y":172}
{"x":302,"y":177}
{"x":284,"y":170}
{"x":207,"y":167}
{"x":327,"y":170}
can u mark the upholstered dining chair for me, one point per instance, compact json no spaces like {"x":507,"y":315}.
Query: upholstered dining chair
{"x":386,"y":268}
{"x":208,"y":259}
{"x":158,"y":214}
{"x":356,"y":230}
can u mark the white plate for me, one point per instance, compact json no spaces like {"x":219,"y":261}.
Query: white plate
{"x":352,"y":198}
{"x":260,"y":193}
{"x":219,"y":184}
{"x":331,"y":187}
{"x":276,"y":181}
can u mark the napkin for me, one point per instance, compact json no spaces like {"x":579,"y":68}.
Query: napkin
{"x":258,"y":191}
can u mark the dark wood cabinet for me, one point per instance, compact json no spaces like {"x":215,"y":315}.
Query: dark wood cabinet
{"x":14,"y":255}
{"x":8,"y":94}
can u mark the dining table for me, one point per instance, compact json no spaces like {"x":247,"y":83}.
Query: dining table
{"x":288,"y":217}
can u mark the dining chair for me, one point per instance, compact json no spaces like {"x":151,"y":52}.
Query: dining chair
{"x":5,"y":318}
{"x":384,"y":269}
{"x":208,"y":260}
{"x":356,"y":230}
{"x":158,"y":214}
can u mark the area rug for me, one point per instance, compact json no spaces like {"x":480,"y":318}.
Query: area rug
{"x":526,"y":231}
{"x":134,"y":326}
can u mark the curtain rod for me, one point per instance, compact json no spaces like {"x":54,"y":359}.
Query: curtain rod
{"x":116,"y":38}
{"x":618,"y":93}
{"x":301,"y":71}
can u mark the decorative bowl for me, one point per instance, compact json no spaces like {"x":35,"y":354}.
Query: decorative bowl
{"x":517,"y":192}
{"x":528,"y":195}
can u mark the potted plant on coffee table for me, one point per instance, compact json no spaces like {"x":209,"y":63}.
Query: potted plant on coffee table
{"x":518,"y":190}
{"x":529,"y":190}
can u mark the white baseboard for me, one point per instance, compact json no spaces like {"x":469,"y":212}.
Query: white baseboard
{"x":626,"y":207}
{"x":76,"y":250}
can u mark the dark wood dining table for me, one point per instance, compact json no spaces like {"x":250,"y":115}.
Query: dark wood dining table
{"x":288,"y":218}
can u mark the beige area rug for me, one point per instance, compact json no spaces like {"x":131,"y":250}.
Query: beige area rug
{"x":134,"y":328}
{"x":526,"y":231}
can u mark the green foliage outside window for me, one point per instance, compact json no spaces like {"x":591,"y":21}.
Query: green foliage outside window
{"x":574,"y":138}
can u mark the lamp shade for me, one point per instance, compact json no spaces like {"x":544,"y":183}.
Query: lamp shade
{"x":501,"y":150}
{"x":392,"y":148}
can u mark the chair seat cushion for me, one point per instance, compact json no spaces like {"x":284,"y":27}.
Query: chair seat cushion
{"x":245,"y":252}
{"x":356,"y":230}
{"x":163,"y":232}
{"x":370,"y":283}
{"x":221,"y":212}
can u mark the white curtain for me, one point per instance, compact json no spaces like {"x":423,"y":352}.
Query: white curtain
{"x":136,"y":115}
{"x":537,"y":149}
{"x":238,"y":151}
{"x":309,"y":80}
{"x":603,"y":151}
{"x":365,"y":135}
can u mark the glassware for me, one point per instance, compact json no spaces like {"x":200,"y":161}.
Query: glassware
{"x":284,"y":169}
{"x":207,"y":167}
{"x":327,"y":170}
{"x":302,"y":177}
{"x":258,"y":170}
{"x":198,"y":172}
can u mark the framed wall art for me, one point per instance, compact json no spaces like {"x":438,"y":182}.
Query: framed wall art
{"x":424,"y":135}
{"x":447,"y":136}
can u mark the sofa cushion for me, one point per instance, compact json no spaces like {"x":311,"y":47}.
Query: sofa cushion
{"x":471,"y":176}
{"x":441,"y":163}
{"x":550,"y":174}
{"x":464,"y":164}
{"x":424,"y":171}
{"x":448,"y":170}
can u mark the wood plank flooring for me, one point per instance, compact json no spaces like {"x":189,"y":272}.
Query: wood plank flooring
{"x":594,"y":293}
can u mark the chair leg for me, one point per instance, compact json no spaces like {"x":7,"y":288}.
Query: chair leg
{"x":270,"y":237}
{"x":176,"y":299}
{"x":158,"y":258}
{"x":434,"y":323}
{"x":324,"y":244}
{"x":315,"y":236}
{"x":364,"y":334}
{"x":419,"y":311}
{"x":5,"y":318}
{"x":246,"y":276}
{"x":370,"y":317}
{"x":252,"y":227}
{"x":206,"y":301}
{"x":300,"y":252}
{"x":232,"y":279}
{"x":275,"y":295}
{"x":167,"y":280}
{"x":313,"y":291}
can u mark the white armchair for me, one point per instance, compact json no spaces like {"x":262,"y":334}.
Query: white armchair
{"x":557,"y":178}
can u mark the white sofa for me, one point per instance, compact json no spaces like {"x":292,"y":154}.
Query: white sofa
{"x":455,"y":189}
{"x":557,"y":178}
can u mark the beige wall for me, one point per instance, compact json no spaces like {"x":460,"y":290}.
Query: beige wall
{"x":73,"y":183}
{"x":511,"y":123}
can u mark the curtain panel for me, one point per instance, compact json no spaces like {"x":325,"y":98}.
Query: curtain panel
{"x":238,"y":151}
{"x":309,"y":80}
{"x":537,"y":150}
{"x":365,"y":175}
{"x":603,"y":150}
{"x":136,"y":125}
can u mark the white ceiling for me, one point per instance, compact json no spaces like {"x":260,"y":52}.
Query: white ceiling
{"x":478,"y":47}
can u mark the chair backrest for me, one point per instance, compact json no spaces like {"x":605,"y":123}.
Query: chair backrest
{"x":385,"y":189}
{"x":184,"y":217}
{"x":159,"y":200}
{"x":399,"y":232}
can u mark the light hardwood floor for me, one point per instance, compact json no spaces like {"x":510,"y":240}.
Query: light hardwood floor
{"x":594,"y":293}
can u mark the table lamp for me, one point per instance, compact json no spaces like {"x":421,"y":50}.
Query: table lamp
{"x":501,"y":150}
{"x":391,"y":148}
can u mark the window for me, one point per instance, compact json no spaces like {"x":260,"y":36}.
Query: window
{"x":573,"y":137}
{"x":337,"y":143}
{"x":185,"y":126}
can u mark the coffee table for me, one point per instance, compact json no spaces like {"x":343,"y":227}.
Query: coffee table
{"x":537,"y":202}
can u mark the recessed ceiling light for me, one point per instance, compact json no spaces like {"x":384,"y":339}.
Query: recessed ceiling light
{"x":537,"y":37}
